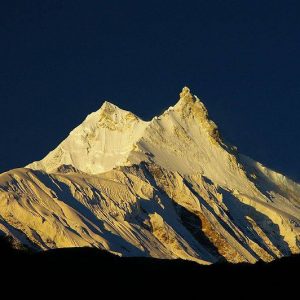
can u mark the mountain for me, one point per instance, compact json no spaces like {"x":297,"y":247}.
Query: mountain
{"x":168,"y":188}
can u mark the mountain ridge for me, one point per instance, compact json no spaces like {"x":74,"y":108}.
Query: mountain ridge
{"x":113,"y":118}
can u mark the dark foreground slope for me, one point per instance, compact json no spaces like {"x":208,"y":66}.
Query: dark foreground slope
{"x":93,"y":267}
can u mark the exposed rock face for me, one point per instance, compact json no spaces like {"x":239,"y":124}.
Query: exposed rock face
{"x":190,"y":106}
{"x":168,"y":188}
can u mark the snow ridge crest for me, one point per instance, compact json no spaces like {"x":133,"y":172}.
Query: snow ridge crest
{"x":110,"y":136}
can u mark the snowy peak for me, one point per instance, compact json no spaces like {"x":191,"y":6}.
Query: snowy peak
{"x":186,"y":97}
{"x":111,"y":113}
{"x":102,"y":142}
{"x":109,"y":106}
{"x":112,"y":137}
{"x":112,"y":117}
{"x":189,"y":106}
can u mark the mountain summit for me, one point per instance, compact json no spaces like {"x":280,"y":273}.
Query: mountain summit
{"x":111,"y":136}
{"x":165,"y":188}
{"x":103,"y":141}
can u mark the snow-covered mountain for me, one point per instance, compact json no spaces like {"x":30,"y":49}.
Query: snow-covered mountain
{"x":167,"y":188}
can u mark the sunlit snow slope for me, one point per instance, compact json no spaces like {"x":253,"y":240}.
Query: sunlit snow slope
{"x":168,"y":188}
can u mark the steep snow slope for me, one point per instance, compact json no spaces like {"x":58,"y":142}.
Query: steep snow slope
{"x":168,"y":188}
{"x":184,"y":140}
{"x":117,"y":211}
{"x":100,"y":143}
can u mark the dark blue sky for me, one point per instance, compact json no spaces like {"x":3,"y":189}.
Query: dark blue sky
{"x":60,"y":59}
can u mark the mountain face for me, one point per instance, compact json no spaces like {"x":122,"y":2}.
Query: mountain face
{"x":167,"y":188}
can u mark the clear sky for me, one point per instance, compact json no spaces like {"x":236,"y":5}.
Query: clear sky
{"x":60,"y":59}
